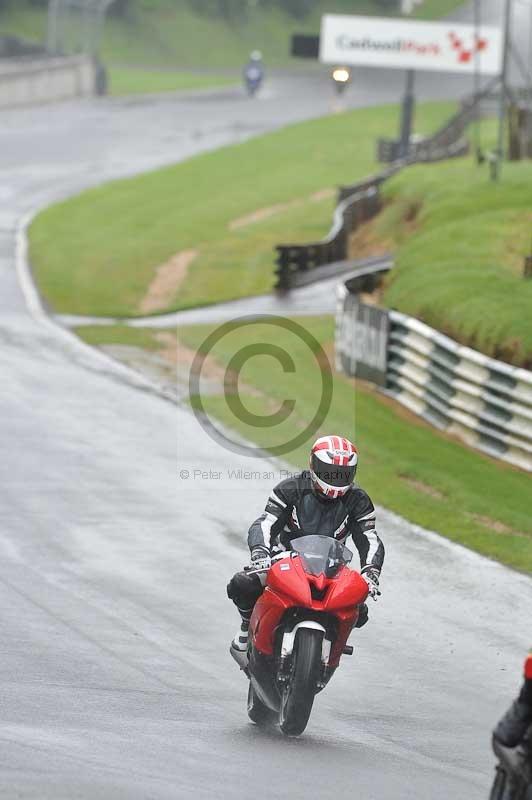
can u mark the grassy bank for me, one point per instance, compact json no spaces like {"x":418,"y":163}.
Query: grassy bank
{"x":98,"y":253}
{"x":436,"y":9}
{"x":405,"y":465}
{"x":460,"y":242}
{"x":179,"y":36}
{"x":173,"y":34}
{"x":102,"y":335}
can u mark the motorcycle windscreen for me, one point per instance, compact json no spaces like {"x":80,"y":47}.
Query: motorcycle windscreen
{"x":321,"y":555}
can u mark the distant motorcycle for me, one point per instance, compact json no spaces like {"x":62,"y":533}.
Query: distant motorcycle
{"x":513,"y":778}
{"x":299,"y":630}
{"x":254,"y":73}
{"x":341,"y":78}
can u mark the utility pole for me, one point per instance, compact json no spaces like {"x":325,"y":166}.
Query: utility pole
{"x":99,"y":20}
{"x":407,"y":115}
{"x":530,"y":85}
{"x":87,"y":22}
{"x":503,"y":90}
{"x":52,"y":37}
{"x":476,"y":89}
{"x":83,"y":19}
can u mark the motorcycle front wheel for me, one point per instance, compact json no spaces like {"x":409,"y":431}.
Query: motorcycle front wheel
{"x":298,"y":695}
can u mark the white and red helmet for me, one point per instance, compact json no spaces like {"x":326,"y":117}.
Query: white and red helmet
{"x":333,"y":464}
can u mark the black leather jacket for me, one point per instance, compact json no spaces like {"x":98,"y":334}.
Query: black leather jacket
{"x":293,"y":509}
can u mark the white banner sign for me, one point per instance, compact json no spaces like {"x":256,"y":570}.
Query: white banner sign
{"x":398,"y":44}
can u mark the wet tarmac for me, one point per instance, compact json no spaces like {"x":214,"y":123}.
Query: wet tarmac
{"x":115,"y":549}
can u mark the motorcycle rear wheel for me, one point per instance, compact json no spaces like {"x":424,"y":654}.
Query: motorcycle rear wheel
{"x":298,"y":695}
{"x":257,"y":711}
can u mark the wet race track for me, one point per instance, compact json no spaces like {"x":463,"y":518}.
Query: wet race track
{"x":115,"y":676}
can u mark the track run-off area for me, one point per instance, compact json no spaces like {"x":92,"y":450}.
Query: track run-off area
{"x":115,"y":676}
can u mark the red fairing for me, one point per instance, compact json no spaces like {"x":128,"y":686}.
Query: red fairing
{"x":348,"y":590}
{"x":288,"y":586}
{"x":528,"y":668}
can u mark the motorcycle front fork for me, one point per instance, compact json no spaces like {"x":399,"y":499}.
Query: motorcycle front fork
{"x":285,"y":667}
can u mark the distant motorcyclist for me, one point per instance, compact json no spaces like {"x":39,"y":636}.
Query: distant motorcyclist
{"x":254,"y":72}
{"x":515,"y":723}
{"x":321,"y":500}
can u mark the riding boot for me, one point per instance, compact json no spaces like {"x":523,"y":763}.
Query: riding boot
{"x":240,"y":641}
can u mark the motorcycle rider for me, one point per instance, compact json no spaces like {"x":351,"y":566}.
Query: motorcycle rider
{"x":321,"y":500}
{"x":254,"y":71}
{"x":515,"y":723}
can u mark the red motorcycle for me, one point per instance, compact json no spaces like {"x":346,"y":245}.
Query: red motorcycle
{"x":299,"y":630}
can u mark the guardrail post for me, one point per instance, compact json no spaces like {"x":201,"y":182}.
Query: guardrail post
{"x":407,"y":113}
{"x":282,"y":269}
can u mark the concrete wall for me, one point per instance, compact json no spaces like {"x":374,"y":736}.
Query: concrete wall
{"x":28,"y":82}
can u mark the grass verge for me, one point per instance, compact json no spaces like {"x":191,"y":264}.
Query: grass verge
{"x":460,"y":243}
{"x":175,"y":35}
{"x":406,"y":466}
{"x":436,"y":9}
{"x":134,"y":80}
{"x":101,"y":335}
{"x":98,"y":253}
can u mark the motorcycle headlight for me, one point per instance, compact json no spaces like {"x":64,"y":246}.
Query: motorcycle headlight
{"x":341,"y":75}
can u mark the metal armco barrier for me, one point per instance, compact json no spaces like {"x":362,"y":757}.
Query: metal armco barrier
{"x":362,"y":201}
{"x":448,"y":140}
{"x":373,"y":182}
{"x":486,"y":403}
{"x":299,"y":264}
{"x":295,"y":260}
